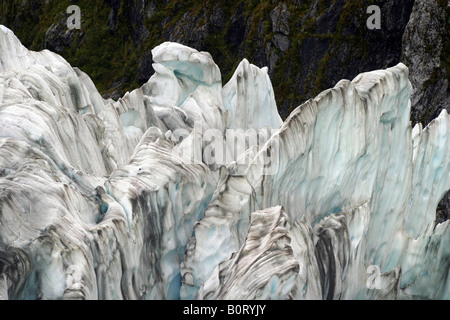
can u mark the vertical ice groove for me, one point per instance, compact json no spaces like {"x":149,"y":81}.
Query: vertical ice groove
{"x":265,"y":252}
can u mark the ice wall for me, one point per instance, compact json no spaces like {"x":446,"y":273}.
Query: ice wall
{"x":158,"y":196}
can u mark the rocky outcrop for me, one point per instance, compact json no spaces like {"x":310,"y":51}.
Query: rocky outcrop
{"x":425,"y":48}
{"x":423,"y":52}
{"x":280,"y":26}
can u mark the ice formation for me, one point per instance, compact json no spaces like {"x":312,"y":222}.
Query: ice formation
{"x":187,"y":189}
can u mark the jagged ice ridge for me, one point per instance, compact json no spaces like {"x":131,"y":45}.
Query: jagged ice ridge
{"x":187,"y":189}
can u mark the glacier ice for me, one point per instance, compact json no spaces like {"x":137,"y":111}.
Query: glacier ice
{"x":266,"y":253}
{"x":250,"y":99}
{"x":187,"y":189}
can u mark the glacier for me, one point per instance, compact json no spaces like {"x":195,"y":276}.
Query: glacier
{"x":189,"y":189}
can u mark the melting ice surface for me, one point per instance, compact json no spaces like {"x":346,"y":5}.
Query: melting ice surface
{"x":103,"y":199}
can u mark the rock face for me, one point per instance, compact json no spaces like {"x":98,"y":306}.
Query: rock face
{"x":423,"y":52}
{"x":308,"y":46}
{"x":280,"y":26}
{"x":176,"y":191}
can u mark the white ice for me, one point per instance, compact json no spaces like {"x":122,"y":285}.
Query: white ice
{"x":104,"y":199}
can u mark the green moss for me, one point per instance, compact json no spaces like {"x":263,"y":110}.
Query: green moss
{"x":109,"y":57}
{"x":353,"y":12}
